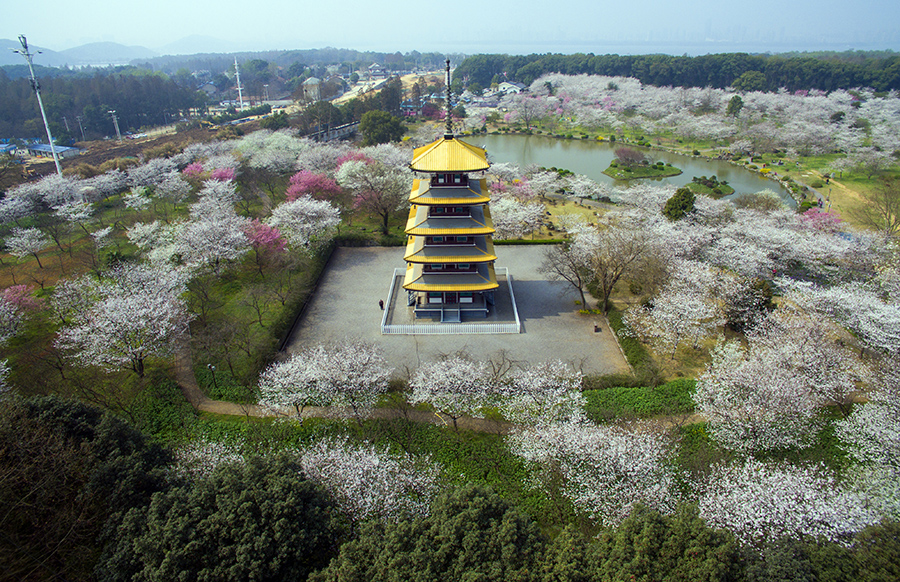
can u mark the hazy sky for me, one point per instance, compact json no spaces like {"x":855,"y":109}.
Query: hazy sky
{"x":463,"y":25}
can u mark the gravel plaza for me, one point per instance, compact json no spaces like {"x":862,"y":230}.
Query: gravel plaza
{"x":346,"y":304}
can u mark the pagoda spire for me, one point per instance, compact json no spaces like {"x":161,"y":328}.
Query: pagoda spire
{"x":448,"y":133}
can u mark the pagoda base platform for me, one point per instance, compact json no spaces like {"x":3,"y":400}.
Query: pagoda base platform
{"x":477,"y":317}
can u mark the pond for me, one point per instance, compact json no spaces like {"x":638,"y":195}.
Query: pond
{"x":591,"y":157}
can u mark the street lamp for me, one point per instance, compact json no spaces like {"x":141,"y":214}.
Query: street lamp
{"x":212,"y":370}
{"x":37,"y":91}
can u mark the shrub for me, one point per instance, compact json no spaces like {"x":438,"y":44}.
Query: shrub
{"x":696,"y":152}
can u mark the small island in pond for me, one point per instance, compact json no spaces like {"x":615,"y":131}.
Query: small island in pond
{"x":632,"y":164}
{"x":710,"y":187}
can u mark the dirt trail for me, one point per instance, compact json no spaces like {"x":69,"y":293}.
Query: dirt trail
{"x":184,"y":374}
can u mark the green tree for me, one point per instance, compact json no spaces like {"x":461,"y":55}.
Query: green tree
{"x":750,"y":81}
{"x":380,"y":127}
{"x":679,"y":205}
{"x":276,"y":121}
{"x":652,"y":546}
{"x":66,"y":469}
{"x":471,"y":534}
{"x":877,"y":551}
{"x":260,"y":520}
{"x":734,"y":106}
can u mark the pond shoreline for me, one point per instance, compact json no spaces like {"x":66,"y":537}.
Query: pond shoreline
{"x":773,"y":183}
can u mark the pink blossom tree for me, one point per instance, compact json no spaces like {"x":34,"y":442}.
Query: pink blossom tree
{"x":306,"y":183}
{"x":265,"y":240}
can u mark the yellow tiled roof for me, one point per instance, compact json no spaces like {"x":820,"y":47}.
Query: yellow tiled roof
{"x":449,"y":155}
{"x":417,"y":252}
{"x":417,"y":280}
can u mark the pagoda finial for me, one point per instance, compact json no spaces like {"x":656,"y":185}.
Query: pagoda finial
{"x":448,"y":134}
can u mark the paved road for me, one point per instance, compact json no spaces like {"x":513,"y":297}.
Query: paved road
{"x":346,"y":305}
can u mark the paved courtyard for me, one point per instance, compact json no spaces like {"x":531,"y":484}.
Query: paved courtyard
{"x":345,"y":305}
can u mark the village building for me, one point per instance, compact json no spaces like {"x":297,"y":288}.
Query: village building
{"x":450,"y":251}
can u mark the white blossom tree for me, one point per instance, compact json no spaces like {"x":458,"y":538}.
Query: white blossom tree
{"x":27,"y":241}
{"x":755,"y":400}
{"x":378,"y":188}
{"x":369,"y":483}
{"x":542,"y":393}
{"x":514,"y":219}
{"x":305,"y":220}
{"x":606,"y":470}
{"x":762,"y":502}
{"x":455,"y":386}
{"x":351,"y":374}
{"x":135,"y":314}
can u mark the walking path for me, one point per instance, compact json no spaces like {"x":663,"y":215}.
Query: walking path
{"x":184,"y":373}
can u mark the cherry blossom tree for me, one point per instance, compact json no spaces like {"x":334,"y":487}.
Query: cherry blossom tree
{"x":305,"y":220}
{"x":455,"y":386}
{"x":379,"y":189}
{"x":76,"y":212}
{"x":215,"y":233}
{"x":857,"y":306}
{"x":27,"y":241}
{"x":514,"y":219}
{"x":369,"y":483}
{"x":10,"y":319}
{"x":691,"y":306}
{"x":349,"y":374}
{"x":606,"y":470}
{"x":307,"y":183}
{"x":766,"y":396}
{"x":134,"y":315}
{"x":762,"y":502}
{"x":174,"y":189}
{"x":265,"y":240}
{"x":542,"y":393}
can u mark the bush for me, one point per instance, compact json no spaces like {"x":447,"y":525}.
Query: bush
{"x":696,"y":152}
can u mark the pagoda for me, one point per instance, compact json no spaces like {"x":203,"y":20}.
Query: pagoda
{"x":449,"y":251}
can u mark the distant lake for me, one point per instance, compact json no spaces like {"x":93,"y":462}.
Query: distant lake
{"x":590,"y":157}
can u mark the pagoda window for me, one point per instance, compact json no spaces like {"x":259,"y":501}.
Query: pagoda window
{"x":447,"y":179}
{"x":466,"y":297}
{"x":435,"y":297}
{"x":463,"y":239}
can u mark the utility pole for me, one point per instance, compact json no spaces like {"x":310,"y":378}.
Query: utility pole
{"x":37,"y":91}
{"x":237,"y":74}
{"x":78,"y":117}
{"x":116,"y":123}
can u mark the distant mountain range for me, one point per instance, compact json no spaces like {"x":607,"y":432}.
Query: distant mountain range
{"x":111,"y":53}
